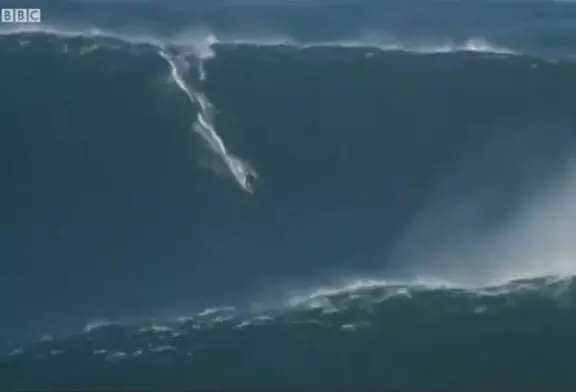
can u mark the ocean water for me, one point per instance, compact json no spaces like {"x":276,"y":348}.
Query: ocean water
{"x":365,"y":336}
{"x":303,"y":195}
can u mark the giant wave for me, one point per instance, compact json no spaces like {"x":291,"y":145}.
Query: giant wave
{"x":366,"y":334}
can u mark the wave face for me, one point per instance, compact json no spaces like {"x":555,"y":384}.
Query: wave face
{"x":433,"y":152}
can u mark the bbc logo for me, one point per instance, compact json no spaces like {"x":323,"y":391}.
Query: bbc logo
{"x":20,"y":15}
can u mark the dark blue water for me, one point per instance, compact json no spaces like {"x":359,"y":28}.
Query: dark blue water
{"x":435,"y":143}
{"x":516,"y":336}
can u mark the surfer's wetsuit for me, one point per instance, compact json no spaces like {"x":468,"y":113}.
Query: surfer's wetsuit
{"x":250,"y":182}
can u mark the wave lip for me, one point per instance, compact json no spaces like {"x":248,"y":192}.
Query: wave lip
{"x":202,"y":42}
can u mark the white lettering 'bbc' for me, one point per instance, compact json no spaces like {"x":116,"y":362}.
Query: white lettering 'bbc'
{"x":20,"y":15}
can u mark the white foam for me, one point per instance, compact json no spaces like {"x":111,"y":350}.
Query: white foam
{"x":337,"y":298}
{"x":201,"y":42}
{"x":155,"y":328}
{"x":261,"y":319}
{"x":86,"y":32}
{"x":204,"y":125}
{"x":97,"y":324}
{"x":478,"y":45}
{"x":117,"y":355}
{"x":162,"y":348}
{"x":243,"y":324}
{"x":18,"y":351}
{"x":378,"y":42}
{"x":351,"y":327}
{"x":46,"y":338}
{"x":184,"y":319}
{"x":317,"y":297}
{"x":213,"y":311}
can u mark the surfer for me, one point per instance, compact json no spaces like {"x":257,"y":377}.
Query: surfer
{"x":250,"y":182}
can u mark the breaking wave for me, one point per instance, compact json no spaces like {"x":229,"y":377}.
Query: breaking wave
{"x":505,"y":214}
{"x":366,"y":334}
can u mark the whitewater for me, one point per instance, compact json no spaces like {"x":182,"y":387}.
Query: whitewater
{"x":204,"y":125}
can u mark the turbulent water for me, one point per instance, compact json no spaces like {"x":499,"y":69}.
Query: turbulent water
{"x":364,"y":336}
{"x":424,"y":156}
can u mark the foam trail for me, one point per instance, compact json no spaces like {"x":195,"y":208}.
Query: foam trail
{"x":242,"y":173}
